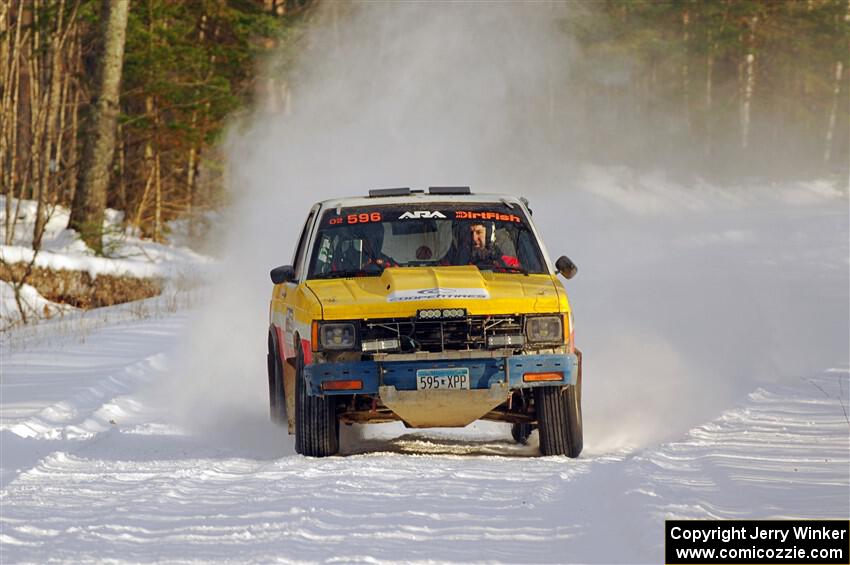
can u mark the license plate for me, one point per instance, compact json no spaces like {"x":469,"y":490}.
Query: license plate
{"x":448,"y":379}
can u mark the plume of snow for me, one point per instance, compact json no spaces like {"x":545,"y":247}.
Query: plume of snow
{"x":686,"y":296}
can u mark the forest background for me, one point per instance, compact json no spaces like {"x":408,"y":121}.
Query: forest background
{"x":719,"y":90}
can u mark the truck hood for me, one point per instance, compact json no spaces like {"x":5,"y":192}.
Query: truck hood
{"x":401,"y":291}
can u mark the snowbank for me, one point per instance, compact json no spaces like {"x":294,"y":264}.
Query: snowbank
{"x":125,"y":255}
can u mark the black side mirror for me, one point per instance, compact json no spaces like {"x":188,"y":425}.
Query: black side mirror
{"x":283,"y":274}
{"x":566,"y":267}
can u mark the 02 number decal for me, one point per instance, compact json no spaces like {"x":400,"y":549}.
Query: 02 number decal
{"x":361,"y":218}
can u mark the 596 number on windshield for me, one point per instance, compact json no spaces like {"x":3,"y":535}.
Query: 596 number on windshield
{"x":362,"y":218}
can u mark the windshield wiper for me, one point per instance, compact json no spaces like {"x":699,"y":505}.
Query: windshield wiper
{"x":513,"y":269}
{"x":500,"y":268}
{"x":347,"y":274}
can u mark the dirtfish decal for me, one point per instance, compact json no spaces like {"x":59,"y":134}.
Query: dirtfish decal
{"x":437,"y":294}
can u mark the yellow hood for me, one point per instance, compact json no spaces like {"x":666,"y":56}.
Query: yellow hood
{"x":401,"y":291}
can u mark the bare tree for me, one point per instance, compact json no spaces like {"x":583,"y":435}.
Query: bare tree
{"x":90,"y":197}
{"x":749,"y":83}
{"x":833,"y":111}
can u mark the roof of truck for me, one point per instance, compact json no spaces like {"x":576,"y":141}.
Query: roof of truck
{"x":418,"y":197}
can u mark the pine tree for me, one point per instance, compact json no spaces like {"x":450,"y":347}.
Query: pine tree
{"x":90,"y":199}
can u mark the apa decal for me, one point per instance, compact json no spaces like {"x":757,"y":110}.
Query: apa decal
{"x":437,"y":294}
{"x":418,"y":214}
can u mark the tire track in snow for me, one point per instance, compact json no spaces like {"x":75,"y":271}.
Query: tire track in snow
{"x":782,"y":453}
{"x":94,"y":379}
{"x":95,"y":410}
{"x":145,"y":491}
{"x":89,"y":412}
{"x":379,"y":505}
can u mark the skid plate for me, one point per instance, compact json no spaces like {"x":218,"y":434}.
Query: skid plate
{"x":442,"y":408}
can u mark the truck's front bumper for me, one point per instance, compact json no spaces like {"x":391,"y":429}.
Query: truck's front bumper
{"x":483,"y":373}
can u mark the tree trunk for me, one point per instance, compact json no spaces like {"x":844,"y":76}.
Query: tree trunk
{"x":686,"y":72}
{"x":72,"y":149}
{"x":833,"y":112}
{"x":9,"y":119}
{"x":36,"y":106}
{"x":63,"y":158}
{"x":847,"y":186}
{"x":49,"y":165}
{"x":90,"y":199}
{"x":122,"y":169}
{"x":157,"y":209}
{"x":749,"y":85}
{"x":150,"y":168}
{"x":709,"y":99}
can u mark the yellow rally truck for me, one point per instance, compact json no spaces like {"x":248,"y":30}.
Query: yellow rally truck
{"x":436,"y":309}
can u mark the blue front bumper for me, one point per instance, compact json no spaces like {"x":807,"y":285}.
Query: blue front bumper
{"x":402,"y":374}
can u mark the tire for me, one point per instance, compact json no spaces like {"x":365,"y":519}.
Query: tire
{"x":559,"y":420}
{"x":521,"y":432}
{"x":277,"y":398}
{"x":316,"y":421}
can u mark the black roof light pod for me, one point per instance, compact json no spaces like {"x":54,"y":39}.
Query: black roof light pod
{"x":449,"y":190}
{"x":384,"y":192}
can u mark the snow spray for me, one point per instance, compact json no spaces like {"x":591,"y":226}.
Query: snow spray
{"x":686,"y":296}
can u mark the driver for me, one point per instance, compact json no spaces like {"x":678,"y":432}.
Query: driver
{"x":485,"y":251}
{"x":369,"y":257}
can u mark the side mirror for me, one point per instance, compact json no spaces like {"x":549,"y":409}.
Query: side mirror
{"x":566,"y":267}
{"x":283,"y":274}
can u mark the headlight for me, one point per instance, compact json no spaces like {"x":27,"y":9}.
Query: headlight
{"x":337,"y":336}
{"x":544,"y":329}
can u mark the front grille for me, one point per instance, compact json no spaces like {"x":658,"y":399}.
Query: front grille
{"x":466,"y":333}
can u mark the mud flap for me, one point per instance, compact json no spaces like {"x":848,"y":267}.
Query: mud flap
{"x":442,"y":408}
{"x":289,"y":392}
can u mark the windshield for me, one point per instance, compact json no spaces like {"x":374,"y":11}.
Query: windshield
{"x":364,"y":241}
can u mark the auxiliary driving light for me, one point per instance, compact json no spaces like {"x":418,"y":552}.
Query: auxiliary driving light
{"x":505,"y":340}
{"x":446,"y":313}
{"x":379,"y":344}
{"x":454,"y":313}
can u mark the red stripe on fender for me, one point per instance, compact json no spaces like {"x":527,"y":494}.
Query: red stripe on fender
{"x":307,"y":348}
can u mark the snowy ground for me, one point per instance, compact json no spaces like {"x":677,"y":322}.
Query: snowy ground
{"x":93,"y":471}
{"x":717,"y":386}
{"x":125,"y":254}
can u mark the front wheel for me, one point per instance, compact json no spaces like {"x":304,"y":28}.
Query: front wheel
{"x":316,"y":421}
{"x":559,"y":420}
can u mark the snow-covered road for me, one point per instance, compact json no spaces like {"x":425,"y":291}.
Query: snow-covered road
{"x":714,"y":322}
{"x":716,"y":385}
{"x":94,"y":470}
